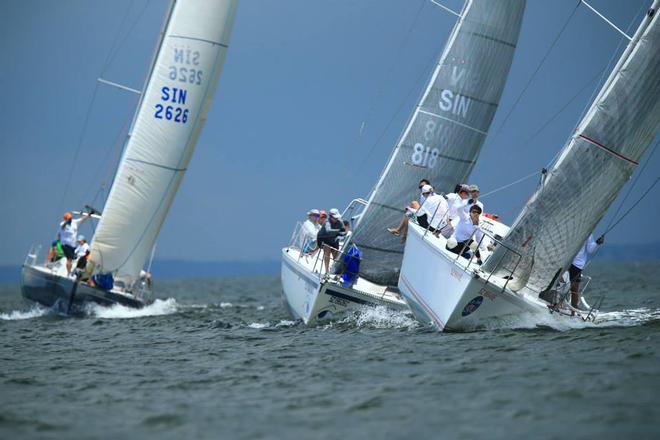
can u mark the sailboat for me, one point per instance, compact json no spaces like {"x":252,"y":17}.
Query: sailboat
{"x":526,"y":265}
{"x":170,"y":115}
{"x":440,"y":142}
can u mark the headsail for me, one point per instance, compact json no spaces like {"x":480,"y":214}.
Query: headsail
{"x":592,"y":168}
{"x":447,"y":129}
{"x":168,"y":122}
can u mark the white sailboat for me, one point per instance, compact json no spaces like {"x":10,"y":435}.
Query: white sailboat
{"x":455,"y":293}
{"x":169,"y":118}
{"x":440,"y":142}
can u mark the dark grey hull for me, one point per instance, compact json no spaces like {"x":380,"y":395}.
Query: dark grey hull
{"x":68,"y":296}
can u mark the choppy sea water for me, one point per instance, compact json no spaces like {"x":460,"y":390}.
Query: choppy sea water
{"x":221,"y":359}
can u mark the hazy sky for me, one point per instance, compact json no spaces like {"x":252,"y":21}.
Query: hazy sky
{"x":283,"y":134}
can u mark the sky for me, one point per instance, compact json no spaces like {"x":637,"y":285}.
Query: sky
{"x":313,"y":97}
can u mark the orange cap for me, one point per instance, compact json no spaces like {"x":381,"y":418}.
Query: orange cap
{"x":67,"y":216}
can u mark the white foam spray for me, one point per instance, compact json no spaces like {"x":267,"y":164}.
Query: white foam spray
{"x":117,"y":311}
{"x":17,"y":315}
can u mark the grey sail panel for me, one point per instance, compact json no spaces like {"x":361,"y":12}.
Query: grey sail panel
{"x":447,"y":129}
{"x":591,"y":169}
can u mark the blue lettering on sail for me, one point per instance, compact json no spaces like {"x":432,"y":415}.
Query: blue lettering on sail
{"x":169,"y":112}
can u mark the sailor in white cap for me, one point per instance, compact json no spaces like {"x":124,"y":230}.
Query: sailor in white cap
{"x":328,"y":236}
{"x":310,"y":230}
{"x":433,"y":213}
{"x":82,"y":252}
{"x":468,"y":203}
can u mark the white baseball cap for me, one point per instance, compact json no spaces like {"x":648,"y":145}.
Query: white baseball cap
{"x":427,"y":189}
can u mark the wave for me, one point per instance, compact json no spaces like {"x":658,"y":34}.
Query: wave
{"x":267,"y":325}
{"x":16,"y":315}
{"x":380,"y":317}
{"x":117,"y":311}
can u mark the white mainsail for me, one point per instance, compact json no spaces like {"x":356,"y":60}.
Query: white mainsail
{"x":592,"y":168}
{"x":168,"y":122}
{"x":447,"y":129}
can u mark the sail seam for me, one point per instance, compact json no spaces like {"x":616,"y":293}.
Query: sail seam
{"x":497,"y":40}
{"x":200,"y":39}
{"x":473,"y":98}
{"x":444,"y":156}
{"x":156,"y":165}
{"x":609,"y":150}
{"x":451,"y":120}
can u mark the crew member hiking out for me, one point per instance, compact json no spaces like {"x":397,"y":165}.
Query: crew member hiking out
{"x":67,"y":234}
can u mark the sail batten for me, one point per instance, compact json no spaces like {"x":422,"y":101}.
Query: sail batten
{"x":444,"y":135}
{"x":591,"y":170}
{"x":168,"y":122}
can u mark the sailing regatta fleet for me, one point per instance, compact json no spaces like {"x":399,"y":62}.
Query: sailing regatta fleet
{"x":431,"y":249}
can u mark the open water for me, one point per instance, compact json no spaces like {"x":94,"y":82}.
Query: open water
{"x":221,"y":359}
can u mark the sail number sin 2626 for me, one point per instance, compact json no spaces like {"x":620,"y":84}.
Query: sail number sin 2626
{"x":165,"y":109}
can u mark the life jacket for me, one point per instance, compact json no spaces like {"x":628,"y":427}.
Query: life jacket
{"x":59,"y":252}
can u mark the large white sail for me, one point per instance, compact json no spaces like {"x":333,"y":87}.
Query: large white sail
{"x":447,"y":129}
{"x":591,"y":170}
{"x":168,"y":122}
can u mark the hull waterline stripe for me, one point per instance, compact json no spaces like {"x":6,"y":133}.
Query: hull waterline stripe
{"x":349,"y":298}
{"x":420,"y":301}
{"x":609,"y":150}
{"x":451,"y":120}
{"x":183,"y":37}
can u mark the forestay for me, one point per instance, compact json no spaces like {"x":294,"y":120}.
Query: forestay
{"x":168,"y":122}
{"x":447,"y":128}
{"x":591,"y":170}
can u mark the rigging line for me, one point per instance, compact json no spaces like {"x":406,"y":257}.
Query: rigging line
{"x":536,"y":71}
{"x":451,"y":11}
{"x":91,"y":105}
{"x":117,"y":35}
{"x":607,"y":69}
{"x":121,"y":43}
{"x":522,"y":179}
{"x":633,"y":206}
{"x":632,"y":185}
{"x":403,"y":44}
{"x":80,"y":142}
{"x":540,"y":129}
{"x":606,"y":20}
{"x":398,"y":110}
{"x":109,"y":165}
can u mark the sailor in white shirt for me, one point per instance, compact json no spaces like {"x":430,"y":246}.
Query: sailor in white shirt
{"x":580,"y":260}
{"x":83,"y":247}
{"x":463,"y":206}
{"x":433,"y":213}
{"x":67,"y":235}
{"x":455,"y":200}
{"x":82,"y":251}
{"x":310,"y":230}
{"x":468,"y":231}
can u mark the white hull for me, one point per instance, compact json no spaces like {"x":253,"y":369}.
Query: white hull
{"x":312,"y":296}
{"x":452,"y":293}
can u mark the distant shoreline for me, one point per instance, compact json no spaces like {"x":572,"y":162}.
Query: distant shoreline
{"x":175,"y":269}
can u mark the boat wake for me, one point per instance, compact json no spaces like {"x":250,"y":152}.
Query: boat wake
{"x":380,"y":318}
{"x":157,"y":308}
{"x":17,"y":315}
{"x":267,"y":325}
{"x":623,"y":318}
